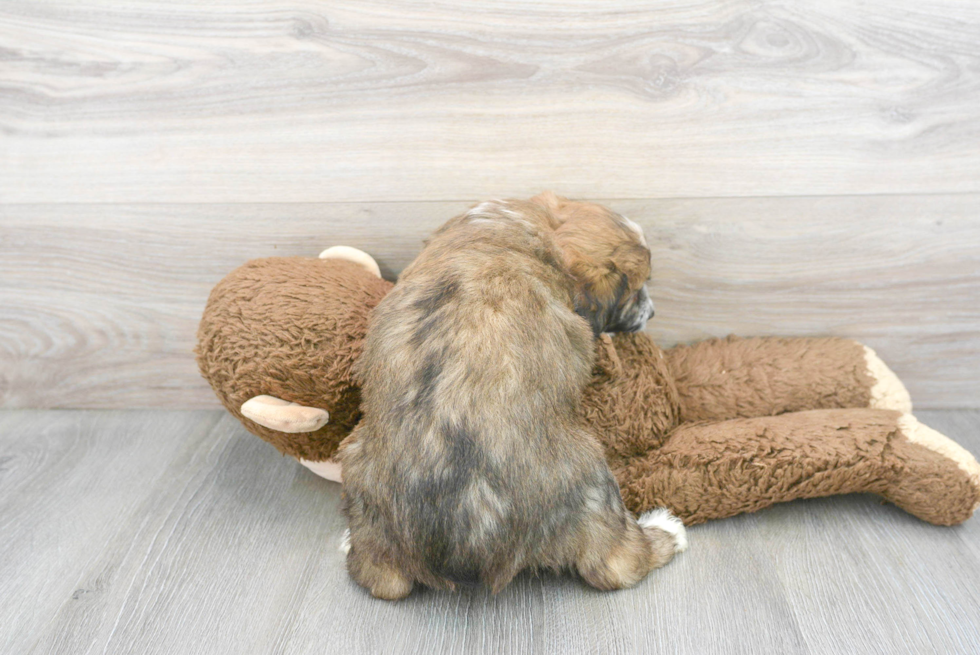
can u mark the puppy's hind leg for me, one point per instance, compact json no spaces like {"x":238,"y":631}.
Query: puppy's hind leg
{"x":621,"y":553}
{"x":369,"y":565}
{"x":381,"y":579}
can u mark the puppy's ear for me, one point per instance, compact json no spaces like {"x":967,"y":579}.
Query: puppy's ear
{"x":602,"y":287}
{"x":548,"y":200}
{"x":597,"y":290}
{"x":632,"y":260}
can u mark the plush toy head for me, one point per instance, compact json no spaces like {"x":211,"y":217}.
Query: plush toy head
{"x":291,"y":328}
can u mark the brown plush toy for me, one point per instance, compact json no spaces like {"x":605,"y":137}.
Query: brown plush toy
{"x":708,"y":430}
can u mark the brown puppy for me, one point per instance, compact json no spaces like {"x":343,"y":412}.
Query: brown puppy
{"x":468,"y":465}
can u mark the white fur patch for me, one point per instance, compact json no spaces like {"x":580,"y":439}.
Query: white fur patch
{"x":636,"y":228}
{"x":595,"y":499}
{"x":936,"y":441}
{"x":888,"y":392}
{"x":488,"y":508}
{"x":662,"y":518}
{"x":491,"y":211}
{"x":485,"y":207}
{"x":345,"y":542}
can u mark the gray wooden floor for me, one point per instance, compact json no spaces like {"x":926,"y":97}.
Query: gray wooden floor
{"x":178,"y":532}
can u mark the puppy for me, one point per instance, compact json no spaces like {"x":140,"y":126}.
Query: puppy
{"x":468,"y":464}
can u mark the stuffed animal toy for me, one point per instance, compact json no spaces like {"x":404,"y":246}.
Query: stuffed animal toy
{"x":708,"y":430}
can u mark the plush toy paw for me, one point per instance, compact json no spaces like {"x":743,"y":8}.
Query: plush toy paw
{"x":887,"y":392}
{"x":929,"y":475}
{"x":359,"y":257}
{"x":328,"y":468}
{"x":923,"y":435}
{"x":284,"y":416}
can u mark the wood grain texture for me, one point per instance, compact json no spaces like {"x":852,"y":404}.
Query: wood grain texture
{"x":176,"y":532}
{"x":262,"y":101}
{"x":101,"y":302}
{"x":69,"y":483}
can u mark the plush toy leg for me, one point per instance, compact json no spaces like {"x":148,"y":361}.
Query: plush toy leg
{"x":713,"y":470}
{"x":729,"y":378}
{"x":359,"y":257}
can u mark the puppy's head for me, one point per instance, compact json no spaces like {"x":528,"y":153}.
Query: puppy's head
{"x":608,"y":257}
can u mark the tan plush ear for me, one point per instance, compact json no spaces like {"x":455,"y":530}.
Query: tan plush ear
{"x":284,"y":416}
{"x":359,"y":257}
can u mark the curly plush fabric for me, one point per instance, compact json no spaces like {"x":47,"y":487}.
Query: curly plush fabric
{"x":285,"y":327}
{"x":738,"y":378}
{"x":709,"y":430}
{"x":713,"y":470}
{"x":632,"y":403}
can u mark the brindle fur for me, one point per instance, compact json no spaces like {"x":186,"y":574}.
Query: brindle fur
{"x":468,"y":465}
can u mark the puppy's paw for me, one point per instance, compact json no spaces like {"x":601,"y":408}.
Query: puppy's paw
{"x":662,"y":519}
{"x":344,"y":546}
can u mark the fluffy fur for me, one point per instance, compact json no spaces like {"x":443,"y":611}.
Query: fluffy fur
{"x":470,"y":463}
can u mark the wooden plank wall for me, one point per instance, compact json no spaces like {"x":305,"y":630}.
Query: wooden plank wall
{"x":800,"y":168}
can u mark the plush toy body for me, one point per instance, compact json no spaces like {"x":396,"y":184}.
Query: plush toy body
{"x":708,"y":430}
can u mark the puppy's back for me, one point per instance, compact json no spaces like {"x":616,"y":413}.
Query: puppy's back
{"x":466,"y":464}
